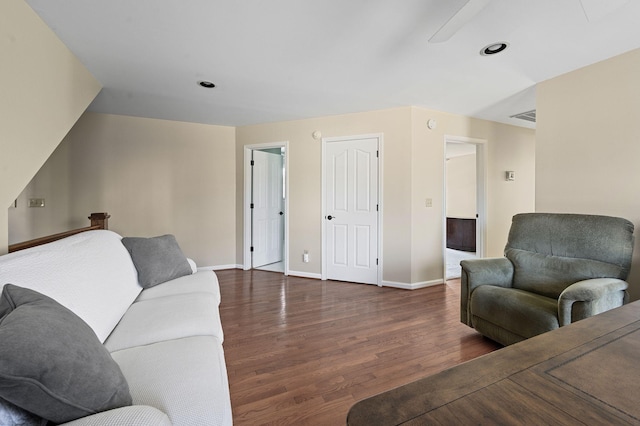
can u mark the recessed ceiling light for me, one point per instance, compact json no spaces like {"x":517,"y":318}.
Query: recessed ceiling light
{"x":494,"y":48}
{"x":206,"y":84}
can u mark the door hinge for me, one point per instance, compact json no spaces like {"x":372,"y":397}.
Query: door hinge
{"x":251,"y":249}
{"x":251,"y":206}
{"x":377,"y":207}
{"x":253,"y":163}
{"x":376,"y":261}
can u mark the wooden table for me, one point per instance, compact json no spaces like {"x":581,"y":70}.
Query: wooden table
{"x":584,"y":373}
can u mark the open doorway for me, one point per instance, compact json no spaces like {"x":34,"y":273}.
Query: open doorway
{"x":265,"y":207}
{"x":464,"y":203}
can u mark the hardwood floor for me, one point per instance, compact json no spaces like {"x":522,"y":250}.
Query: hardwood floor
{"x":302,"y":351}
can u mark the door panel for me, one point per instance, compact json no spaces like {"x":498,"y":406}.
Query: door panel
{"x":340,"y":236}
{"x":352,"y":204}
{"x":363,"y":246}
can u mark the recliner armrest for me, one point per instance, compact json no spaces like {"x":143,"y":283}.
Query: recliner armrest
{"x":590,"y":297}
{"x":475,"y":272}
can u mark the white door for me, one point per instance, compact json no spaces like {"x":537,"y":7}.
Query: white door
{"x":267,"y":211}
{"x":351,"y":208}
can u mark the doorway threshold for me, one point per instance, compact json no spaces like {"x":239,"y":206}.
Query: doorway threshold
{"x":273,"y":267}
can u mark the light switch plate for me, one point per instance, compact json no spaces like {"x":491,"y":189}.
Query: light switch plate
{"x":36,"y":202}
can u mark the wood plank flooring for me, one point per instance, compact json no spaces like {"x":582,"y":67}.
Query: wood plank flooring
{"x":302,"y":351}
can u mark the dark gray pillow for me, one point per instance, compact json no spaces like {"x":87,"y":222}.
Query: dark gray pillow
{"x":53,"y":364}
{"x":157,"y":259}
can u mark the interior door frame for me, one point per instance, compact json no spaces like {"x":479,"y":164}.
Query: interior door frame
{"x":246,"y":206}
{"x":380,"y":138}
{"x":481,"y":196}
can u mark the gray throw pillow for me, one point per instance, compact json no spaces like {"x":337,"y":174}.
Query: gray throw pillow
{"x":53,"y":364}
{"x":157,"y":259}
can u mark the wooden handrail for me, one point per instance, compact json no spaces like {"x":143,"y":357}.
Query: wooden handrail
{"x":98,"y":221}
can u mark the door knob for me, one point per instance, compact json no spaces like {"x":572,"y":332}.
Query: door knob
{"x":331,"y":217}
{"x":280,"y":213}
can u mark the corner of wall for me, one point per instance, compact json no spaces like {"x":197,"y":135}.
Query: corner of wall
{"x":4,"y":237}
{"x":31,"y":50}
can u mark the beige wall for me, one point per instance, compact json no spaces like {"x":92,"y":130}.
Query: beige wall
{"x":413,"y":169}
{"x":52,"y":182}
{"x":513,"y":149}
{"x":461,"y":187}
{"x":588,"y":144}
{"x":507,"y":148}
{"x":157,"y":176}
{"x":305,"y":185}
{"x":44,"y":89}
{"x":152,"y":176}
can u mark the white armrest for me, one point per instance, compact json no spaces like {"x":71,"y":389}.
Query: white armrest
{"x":135,"y":415}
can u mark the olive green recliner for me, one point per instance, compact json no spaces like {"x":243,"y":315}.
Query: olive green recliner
{"x":557,"y":269}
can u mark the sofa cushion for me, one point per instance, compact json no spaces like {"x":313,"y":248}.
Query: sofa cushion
{"x":200,"y":282}
{"x":53,"y":365}
{"x":166,"y":318}
{"x":184,"y":378}
{"x":157,"y":259}
{"x":519,"y":312}
{"x":90,"y":273}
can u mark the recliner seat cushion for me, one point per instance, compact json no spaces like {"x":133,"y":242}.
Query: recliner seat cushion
{"x":519,"y":312}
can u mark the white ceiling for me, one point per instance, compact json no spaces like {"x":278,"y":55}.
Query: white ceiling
{"x":276,"y":60}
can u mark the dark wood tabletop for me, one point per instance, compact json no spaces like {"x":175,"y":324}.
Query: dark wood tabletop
{"x":584,"y":373}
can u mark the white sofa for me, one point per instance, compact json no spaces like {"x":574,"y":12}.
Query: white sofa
{"x":166,"y":339}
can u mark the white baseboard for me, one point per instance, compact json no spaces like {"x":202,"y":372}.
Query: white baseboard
{"x":413,"y":286}
{"x":394,"y":284}
{"x":305,"y":274}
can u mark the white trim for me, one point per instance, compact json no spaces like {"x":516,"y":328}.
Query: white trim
{"x":481,"y":195}
{"x":246,"y":258}
{"x":413,"y":286}
{"x":380,"y":204}
{"x":305,"y":275}
{"x":380,"y":138}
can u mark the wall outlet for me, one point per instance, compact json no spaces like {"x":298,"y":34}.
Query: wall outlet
{"x":428,"y":202}
{"x":305,"y":257}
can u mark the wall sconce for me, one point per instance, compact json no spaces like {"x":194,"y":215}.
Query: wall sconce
{"x":510,"y":175}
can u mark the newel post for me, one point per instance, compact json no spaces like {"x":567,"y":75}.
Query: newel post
{"x":100,"y":219}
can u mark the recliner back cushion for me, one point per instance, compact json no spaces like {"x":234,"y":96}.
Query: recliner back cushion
{"x":552,"y":251}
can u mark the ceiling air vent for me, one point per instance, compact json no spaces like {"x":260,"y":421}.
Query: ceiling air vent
{"x":528,"y":116}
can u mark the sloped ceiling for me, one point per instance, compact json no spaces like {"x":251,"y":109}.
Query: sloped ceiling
{"x":281,"y":60}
